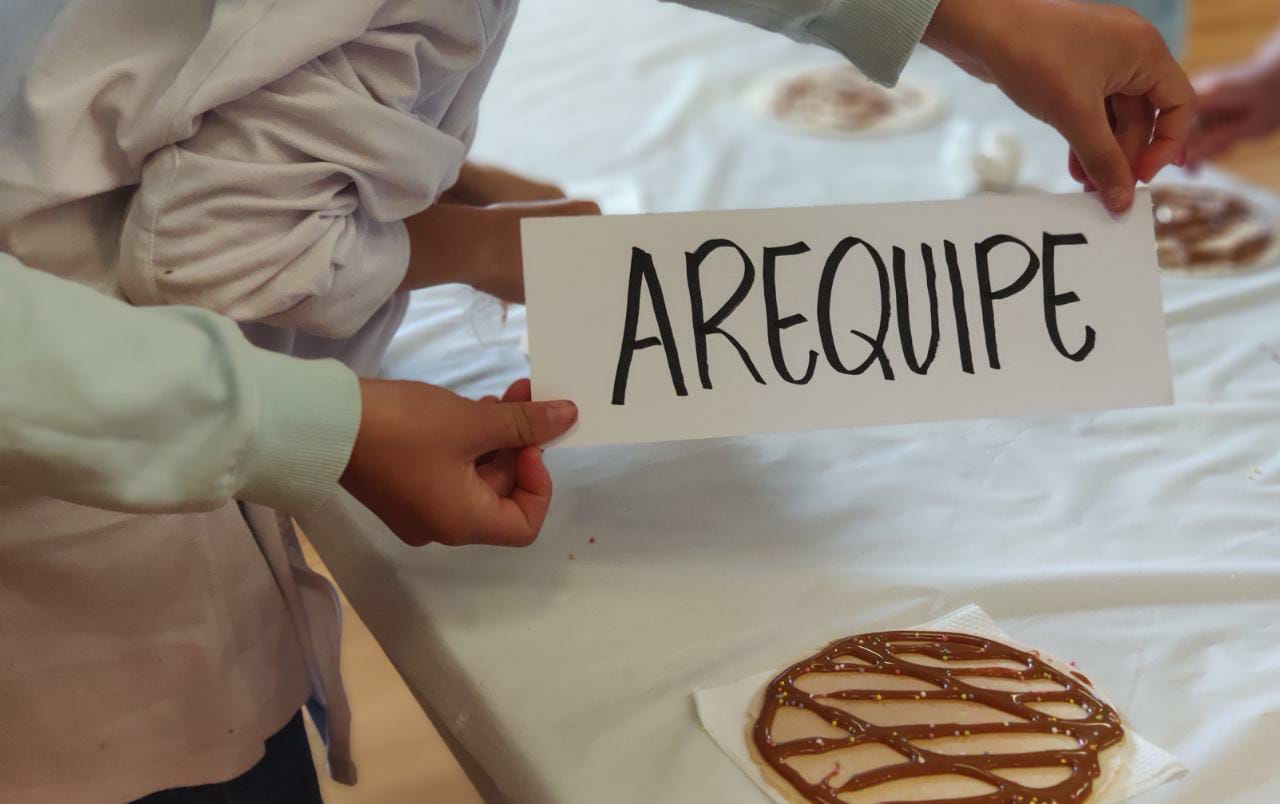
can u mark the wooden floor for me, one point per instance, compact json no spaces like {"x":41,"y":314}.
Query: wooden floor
{"x":399,"y":755}
{"x":402,"y":760}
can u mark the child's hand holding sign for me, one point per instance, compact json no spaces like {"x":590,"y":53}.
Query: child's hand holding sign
{"x":436,"y":467}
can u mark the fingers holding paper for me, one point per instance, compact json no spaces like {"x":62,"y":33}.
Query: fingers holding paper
{"x":1100,"y":75}
{"x":436,"y":467}
{"x":482,"y":185}
{"x":514,"y":492}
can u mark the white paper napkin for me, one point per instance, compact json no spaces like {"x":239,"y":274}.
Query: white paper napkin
{"x":723,"y":712}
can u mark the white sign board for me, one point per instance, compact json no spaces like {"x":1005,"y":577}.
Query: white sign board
{"x":696,"y":325}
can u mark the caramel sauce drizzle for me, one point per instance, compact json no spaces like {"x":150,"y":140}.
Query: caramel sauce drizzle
{"x":1098,"y":729}
{"x":1187,"y":219}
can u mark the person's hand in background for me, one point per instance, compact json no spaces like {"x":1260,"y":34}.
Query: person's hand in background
{"x":1101,"y":75}
{"x":478,"y":246}
{"x":1236,"y":103}
{"x":436,"y":467}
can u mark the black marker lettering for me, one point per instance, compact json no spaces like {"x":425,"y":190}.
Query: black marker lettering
{"x":702,"y":326}
{"x":989,"y":296}
{"x":642,"y":270}
{"x":1053,"y":300}
{"x":825,"y":288}
{"x":776,"y":324}
{"x":957,"y":305}
{"x":904,"y":309}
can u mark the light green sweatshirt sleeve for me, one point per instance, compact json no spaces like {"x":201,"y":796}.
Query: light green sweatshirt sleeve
{"x":877,"y":36}
{"x":160,"y":409}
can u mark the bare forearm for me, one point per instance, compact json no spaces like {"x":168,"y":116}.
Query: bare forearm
{"x":448,"y":243}
{"x":161,"y":409}
{"x":479,"y":246}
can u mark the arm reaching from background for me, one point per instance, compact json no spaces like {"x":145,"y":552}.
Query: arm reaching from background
{"x":1237,"y":102}
{"x":1100,"y":75}
{"x":877,"y":36}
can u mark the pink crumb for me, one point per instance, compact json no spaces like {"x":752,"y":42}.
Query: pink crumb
{"x":833,"y":774}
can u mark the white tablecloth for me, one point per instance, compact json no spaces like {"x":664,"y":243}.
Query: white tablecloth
{"x":1143,"y":544}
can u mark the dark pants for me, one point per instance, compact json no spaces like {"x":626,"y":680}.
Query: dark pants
{"x":284,"y":774}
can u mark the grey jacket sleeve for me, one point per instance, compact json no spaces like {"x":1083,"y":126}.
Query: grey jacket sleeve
{"x":877,"y":36}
